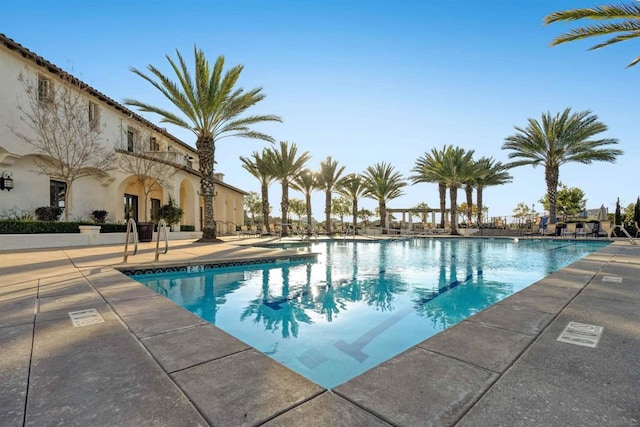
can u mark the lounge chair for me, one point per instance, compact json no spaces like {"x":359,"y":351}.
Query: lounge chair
{"x":244,"y":230}
{"x":635,"y":223}
{"x":605,"y":227}
{"x":585,"y":231}
{"x":569,"y":230}
{"x":550,"y":230}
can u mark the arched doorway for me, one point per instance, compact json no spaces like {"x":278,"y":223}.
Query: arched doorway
{"x":188,"y":203}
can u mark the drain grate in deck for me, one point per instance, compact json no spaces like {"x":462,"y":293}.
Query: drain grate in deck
{"x":85,"y":317}
{"x":581,"y":334}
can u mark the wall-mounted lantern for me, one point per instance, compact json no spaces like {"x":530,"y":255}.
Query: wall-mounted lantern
{"x":6,"y":182}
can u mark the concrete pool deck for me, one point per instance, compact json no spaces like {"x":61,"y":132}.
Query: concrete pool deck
{"x":152,"y":363}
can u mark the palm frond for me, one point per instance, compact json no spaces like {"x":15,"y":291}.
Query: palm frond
{"x":599,"y":12}
{"x":630,"y":27}
{"x":626,"y":19}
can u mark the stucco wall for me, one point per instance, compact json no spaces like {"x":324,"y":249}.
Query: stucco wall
{"x":91,"y":193}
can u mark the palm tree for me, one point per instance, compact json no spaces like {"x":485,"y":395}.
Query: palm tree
{"x":422,"y":206}
{"x":489,"y":173}
{"x":211,"y":107}
{"x":429,"y":168}
{"x":469,"y":183}
{"x":560,"y":139}
{"x":305,"y":182}
{"x":286,"y":165}
{"x":625,"y":24}
{"x":328,"y":178}
{"x":260,"y":165}
{"x":457,"y":169}
{"x":383,"y":183}
{"x":352,"y":187}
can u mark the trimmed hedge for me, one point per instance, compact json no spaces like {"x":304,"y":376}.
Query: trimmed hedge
{"x":112,"y":228}
{"x":51,"y":227}
{"x":187,"y":228}
{"x":37,"y":227}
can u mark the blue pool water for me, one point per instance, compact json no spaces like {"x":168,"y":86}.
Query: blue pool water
{"x":362,"y":303}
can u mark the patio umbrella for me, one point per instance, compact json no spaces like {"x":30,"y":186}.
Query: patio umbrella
{"x":602,"y":214}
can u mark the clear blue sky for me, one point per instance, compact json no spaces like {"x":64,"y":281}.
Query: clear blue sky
{"x":365,"y":81}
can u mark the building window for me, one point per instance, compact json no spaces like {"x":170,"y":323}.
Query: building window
{"x":45,"y":89}
{"x":93,"y":115}
{"x":153,"y":144}
{"x":130,"y":207}
{"x":132,"y":137}
{"x":155,"y":208}
{"x":57,"y":190}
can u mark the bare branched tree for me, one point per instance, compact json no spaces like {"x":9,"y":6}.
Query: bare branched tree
{"x":153,"y":170}
{"x":65,"y":127}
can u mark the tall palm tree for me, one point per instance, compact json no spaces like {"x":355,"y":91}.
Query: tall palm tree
{"x":352,"y":187}
{"x":430,"y":169}
{"x":305,"y":182}
{"x":560,"y":139}
{"x":287,"y":165}
{"x":469,"y":184}
{"x":458,"y":169}
{"x":489,"y":173}
{"x":260,"y":166}
{"x":212,"y":108}
{"x":328,"y":178}
{"x":383,"y":183}
{"x":624,"y":25}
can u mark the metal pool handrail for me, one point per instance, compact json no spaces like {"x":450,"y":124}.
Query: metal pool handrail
{"x":162,"y":225}
{"x":624,"y":230}
{"x":131,"y":229}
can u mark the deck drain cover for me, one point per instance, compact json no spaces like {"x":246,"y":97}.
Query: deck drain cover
{"x":581,"y":334}
{"x":85,"y":317}
{"x":612,"y":279}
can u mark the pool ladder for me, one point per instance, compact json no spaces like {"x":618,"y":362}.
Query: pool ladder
{"x":132,"y":230}
{"x":624,"y":230}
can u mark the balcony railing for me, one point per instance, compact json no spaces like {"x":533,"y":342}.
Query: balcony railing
{"x":173,"y":157}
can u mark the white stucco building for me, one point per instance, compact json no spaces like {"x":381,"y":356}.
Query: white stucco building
{"x":118,"y":191}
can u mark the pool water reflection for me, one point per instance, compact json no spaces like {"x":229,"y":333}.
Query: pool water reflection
{"x":362,"y":303}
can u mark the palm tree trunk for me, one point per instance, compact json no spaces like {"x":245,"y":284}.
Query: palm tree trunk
{"x":453,"y":196}
{"x":264,"y":188}
{"x":308,"y":200}
{"x":206,"y":151}
{"x":469,"y":190}
{"x":355,"y":215}
{"x":327,"y":210}
{"x":551,"y":176}
{"x":284,"y":207}
{"x":479,"y":202}
{"x":442,"y":189}
{"x":382,"y":207}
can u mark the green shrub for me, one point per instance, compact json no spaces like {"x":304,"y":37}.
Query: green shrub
{"x":37,"y":227}
{"x":187,"y":228}
{"x":113,"y":228}
{"x":99,"y":216}
{"x":48,"y":213}
{"x":171,"y":213}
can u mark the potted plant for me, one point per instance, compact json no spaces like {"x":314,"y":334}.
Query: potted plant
{"x":170,"y":212}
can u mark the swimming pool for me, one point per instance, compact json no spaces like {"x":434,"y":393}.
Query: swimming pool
{"x":362,"y":303}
